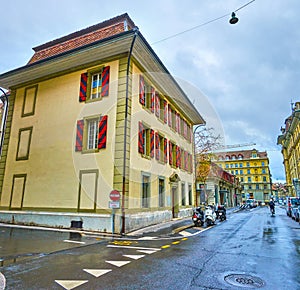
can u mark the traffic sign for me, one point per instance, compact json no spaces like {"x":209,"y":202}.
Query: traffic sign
{"x":114,"y":204}
{"x":115,"y":195}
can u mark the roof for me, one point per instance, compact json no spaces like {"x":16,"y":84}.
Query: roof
{"x":246,"y":154}
{"x":82,"y":49}
{"x":85,"y":36}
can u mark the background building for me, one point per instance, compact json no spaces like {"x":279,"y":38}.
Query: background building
{"x":290,"y":149}
{"x":252,"y":169}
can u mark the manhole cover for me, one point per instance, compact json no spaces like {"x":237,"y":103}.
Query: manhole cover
{"x":246,"y":281}
{"x":2,"y":281}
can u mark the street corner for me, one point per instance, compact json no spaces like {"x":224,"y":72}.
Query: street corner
{"x":2,"y":281}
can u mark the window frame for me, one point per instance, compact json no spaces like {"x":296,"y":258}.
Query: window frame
{"x":85,"y":141}
{"x":90,"y":74}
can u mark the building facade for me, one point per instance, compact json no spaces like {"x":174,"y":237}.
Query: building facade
{"x":290,"y":149}
{"x":92,"y":113}
{"x":217,"y":186}
{"x":252,"y":169}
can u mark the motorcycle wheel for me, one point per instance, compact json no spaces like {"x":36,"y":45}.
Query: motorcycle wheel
{"x":208,"y":222}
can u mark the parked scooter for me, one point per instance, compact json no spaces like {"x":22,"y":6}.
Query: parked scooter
{"x":198,"y":217}
{"x":221,"y":213}
{"x":210,"y":215}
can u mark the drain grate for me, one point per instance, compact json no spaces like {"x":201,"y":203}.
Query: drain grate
{"x":246,"y":281}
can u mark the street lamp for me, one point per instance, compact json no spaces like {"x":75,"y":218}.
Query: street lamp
{"x":296,"y":184}
{"x":4,"y":99}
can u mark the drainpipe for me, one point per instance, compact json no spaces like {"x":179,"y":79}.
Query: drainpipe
{"x":4,"y":99}
{"x":135,"y":29}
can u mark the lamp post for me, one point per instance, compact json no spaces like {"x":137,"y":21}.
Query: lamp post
{"x":4,"y":99}
{"x":296,"y":184}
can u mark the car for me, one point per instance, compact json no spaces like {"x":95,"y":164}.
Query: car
{"x":251,"y":202}
{"x":295,"y":213}
{"x":291,"y":202}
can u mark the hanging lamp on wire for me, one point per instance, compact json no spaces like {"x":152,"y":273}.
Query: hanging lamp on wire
{"x":233,"y":19}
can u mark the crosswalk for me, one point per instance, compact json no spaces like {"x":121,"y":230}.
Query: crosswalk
{"x":141,"y":253}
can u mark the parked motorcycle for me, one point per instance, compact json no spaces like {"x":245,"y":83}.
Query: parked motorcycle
{"x":221,"y":212}
{"x":210,"y":215}
{"x":198,"y":217}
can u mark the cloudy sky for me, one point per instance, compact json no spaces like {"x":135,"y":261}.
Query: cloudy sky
{"x":246,"y":75}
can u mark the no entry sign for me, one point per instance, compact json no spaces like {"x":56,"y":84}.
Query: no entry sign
{"x":115,"y":195}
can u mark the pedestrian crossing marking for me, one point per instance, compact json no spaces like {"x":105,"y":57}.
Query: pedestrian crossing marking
{"x":118,"y":263}
{"x":149,"y":252}
{"x":70,"y":284}
{"x":135,"y":257}
{"x":96,"y":272}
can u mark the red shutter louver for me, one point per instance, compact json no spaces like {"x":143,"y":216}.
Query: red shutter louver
{"x":157,"y":104}
{"x":177,"y":156}
{"x":169,"y":116}
{"x":102,"y":132}
{"x":165,"y":111}
{"x":83,"y":86}
{"x":152,"y":99}
{"x":79,"y":135}
{"x":165,"y":150}
{"x":141,"y":138}
{"x":142,"y":90}
{"x":157,"y":146}
{"x":151,"y":143}
{"x":105,"y":82}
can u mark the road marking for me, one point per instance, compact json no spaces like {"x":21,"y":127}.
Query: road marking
{"x":118,"y":263}
{"x":147,"y":238}
{"x":175,"y":243}
{"x":75,"y":242}
{"x":165,"y":246}
{"x":70,"y":284}
{"x":132,"y":247}
{"x":135,"y":257}
{"x":146,"y":252}
{"x":185,"y":234}
{"x":96,"y":272}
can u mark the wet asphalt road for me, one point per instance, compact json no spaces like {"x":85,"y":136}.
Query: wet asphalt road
{"x":249,"y":250}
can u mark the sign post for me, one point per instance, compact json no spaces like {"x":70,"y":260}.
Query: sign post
{"x":114,"y":203}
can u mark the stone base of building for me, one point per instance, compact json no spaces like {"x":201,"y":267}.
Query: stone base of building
{"x":90,"y":222}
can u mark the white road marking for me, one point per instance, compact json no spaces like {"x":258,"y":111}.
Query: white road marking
{"x":118,"y":263}
{"x":132,"y":247}
{"x":70,"y":284}
{"x":146,"y":252}
{"x":185,"y":233}
{"x":135,"y":257}
{"x":75,"y":242}
{"x":96,"y":272}
{"x":147,"y":238}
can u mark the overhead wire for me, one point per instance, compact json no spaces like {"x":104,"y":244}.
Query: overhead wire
{"x":200,"y":25}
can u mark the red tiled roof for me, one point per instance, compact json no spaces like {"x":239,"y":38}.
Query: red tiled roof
{"x":246,"y":154}
{"x":83,"y":37}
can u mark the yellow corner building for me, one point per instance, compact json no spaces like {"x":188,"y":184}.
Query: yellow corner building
{"x":93,"y":112}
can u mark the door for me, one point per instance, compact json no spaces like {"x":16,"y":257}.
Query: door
{"x":175,"y":205}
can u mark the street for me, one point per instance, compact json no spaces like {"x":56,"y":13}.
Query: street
{"x":249,"y":250}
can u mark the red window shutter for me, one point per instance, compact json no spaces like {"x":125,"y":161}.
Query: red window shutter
{"x":152,"y":99}
{"x":165,"y":150}
{"x":170,"y":116}
{"x":79,"y":135}
{"x":165,"y":111}
{"x":102,"y":132}
{"x":105,"y":81}
{"x":185,"y":160}
{"x":170,"y":153}
{"x":157,"y":146}
{"x":177,"y":156}
{"x":151,"y":143}
{"x":142,"y":90}
{"x":157,"y":105}
{"x":141,"y":138}
{"x":83,"y":86}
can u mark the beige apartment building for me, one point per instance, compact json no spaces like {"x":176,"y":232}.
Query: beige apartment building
{"x":91,"y":113}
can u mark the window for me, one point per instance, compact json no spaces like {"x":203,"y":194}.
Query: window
{"x":190,"y":195}
{"x":92,"y":137}
{"x":231,"y":165}
{"x":263,"y":171}
{"x":236,"y":172}
{"x":249,"y":179}
{"x":183,"y":200}
{"x":145,"y":191}
{"x":242,"y":179}
{"x":248,"y":171}
{"x":227,"y":165}
{"x":262,"y":163}
{"x":236,"y":165}
{"x":94,"y":84}
{"x":257,"y":186}
{"x":241,"y":164}
{"x":248,"y":164}
{"x":241,"y":171}
{"x":264,"y":178}
{"x":161,"y":192}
